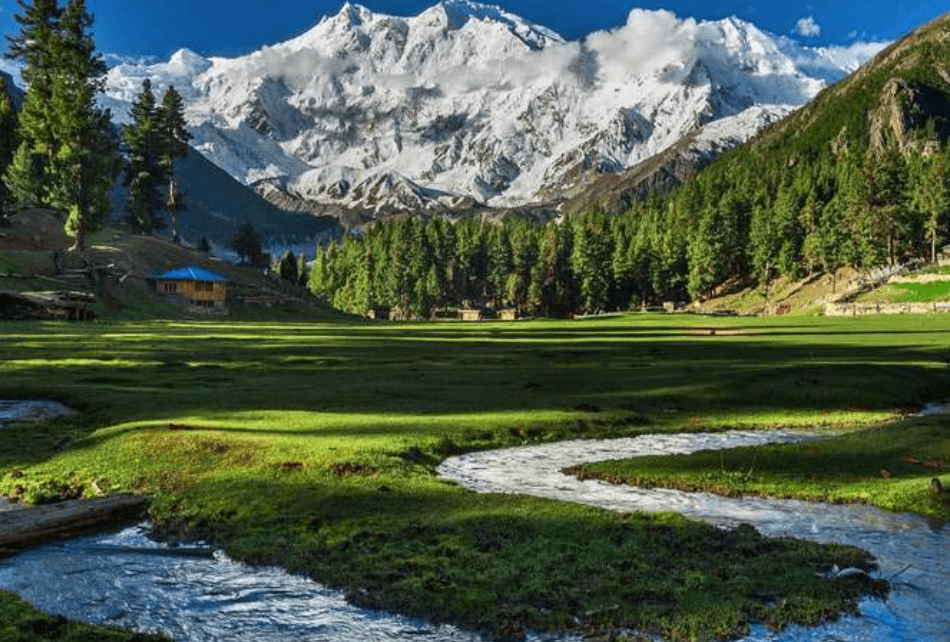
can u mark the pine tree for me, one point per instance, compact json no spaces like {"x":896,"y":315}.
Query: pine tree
{"x":287,"y":267}
{"x":764,"y":246}
{"x":173,"y":144}
{"x":930,"y":194}
{"x":69,"y":137}
{"x":319,"y":275}
{"x":499,"y":255}
{"x":37,"y":45}
{"x":247,"y":243}
{"x":590,"y":261}
{"x":302,"y":274}
{"x":8,"y":144}
{"x":144,"y":175}
{"x":707,"y":254}
{"x":86,"y":162}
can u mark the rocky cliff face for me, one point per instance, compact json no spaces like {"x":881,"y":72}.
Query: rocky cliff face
{"x":466,"y":106}
{"x":907,"y":110}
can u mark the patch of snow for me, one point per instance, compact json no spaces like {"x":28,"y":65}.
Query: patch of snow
{"x":471,"y":101}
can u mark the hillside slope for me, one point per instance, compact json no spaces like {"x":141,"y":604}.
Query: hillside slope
{"x":117,"y":265}
{"x":859,"y":177}
{"x":218,"y":204}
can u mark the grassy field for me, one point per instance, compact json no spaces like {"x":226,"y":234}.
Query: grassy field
{"x":933,"y":292}
{"x":314,"y":445}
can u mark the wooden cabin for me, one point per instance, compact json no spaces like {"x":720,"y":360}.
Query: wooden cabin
{"x":196,"y":288}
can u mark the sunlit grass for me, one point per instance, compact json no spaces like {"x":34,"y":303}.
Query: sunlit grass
{"x":314,"y":446}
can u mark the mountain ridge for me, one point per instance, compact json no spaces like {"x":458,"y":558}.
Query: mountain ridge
{"x":368,"y":115}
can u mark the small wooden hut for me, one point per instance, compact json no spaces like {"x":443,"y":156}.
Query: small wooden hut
{"x":196,"y":288}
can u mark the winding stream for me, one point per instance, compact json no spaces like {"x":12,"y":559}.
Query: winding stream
{"x":908,"y":549}
{"x":194,"y":599}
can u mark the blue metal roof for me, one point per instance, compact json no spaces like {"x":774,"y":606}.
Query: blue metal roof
{"x":189,"y":273}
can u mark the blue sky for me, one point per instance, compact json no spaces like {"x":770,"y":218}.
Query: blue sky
{"x":232,"y":27}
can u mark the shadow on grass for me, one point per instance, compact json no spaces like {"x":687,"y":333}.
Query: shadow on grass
{"x":163,"y":372}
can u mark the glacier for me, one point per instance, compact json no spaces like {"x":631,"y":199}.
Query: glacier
{"x":467,"y":105}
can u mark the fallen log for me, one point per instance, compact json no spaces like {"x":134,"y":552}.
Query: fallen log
{"x":31,"y":526}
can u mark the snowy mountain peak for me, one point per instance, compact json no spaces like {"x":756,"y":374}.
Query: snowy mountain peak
{"x":459,"y":12}
{"x":468,"y":102}
{"x":186,"y":62}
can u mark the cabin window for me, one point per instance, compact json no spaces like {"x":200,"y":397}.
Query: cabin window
{"x":170,"y":286}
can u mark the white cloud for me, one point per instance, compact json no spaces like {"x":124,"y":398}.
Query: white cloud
{"x":649,"y":41}
{"x":808,"y":28}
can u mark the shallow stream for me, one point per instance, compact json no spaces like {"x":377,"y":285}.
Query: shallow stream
{"x":195,"y":599}
{"x":31,"y":410}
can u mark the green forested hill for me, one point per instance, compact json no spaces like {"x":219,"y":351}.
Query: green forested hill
{"x":857,"y":177}
{"x":860,"y":177}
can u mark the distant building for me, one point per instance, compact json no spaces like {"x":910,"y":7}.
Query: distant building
{"x":196,"y":288}
{"x":508,"y":314}
{"x":471,"y":315}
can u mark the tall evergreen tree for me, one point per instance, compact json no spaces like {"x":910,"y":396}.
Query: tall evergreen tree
{"x":173,"y":144}
{"x":36,"y":45}
{"x":930,"y":194}
{"x":8,"y":144}
{"x":590,"y":262}
{"x":87,"y":161}
{"x":144,"y":175}
{"x":246,"y":243}
{"x":61,"y":126}
{"x":287,"y":267}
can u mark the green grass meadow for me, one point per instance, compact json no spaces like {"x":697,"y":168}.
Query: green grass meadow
{"x":313,"y":445}
{"x":933,"y":292}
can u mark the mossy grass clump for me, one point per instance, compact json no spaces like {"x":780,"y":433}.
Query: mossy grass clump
{"x":891,"y":466}
{"x":314,"y":445}
{"x":20,"y":622}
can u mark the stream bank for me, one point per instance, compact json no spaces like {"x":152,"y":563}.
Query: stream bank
{"x":912,"y":553}
{"x":108,"y":579}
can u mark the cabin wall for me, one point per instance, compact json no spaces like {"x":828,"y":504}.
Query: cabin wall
{"x":206,"y":294}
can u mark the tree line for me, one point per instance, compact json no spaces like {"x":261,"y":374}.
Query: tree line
{"x":416,"y":266}
{"x":62,"y":150}
{"x":858,"y":210}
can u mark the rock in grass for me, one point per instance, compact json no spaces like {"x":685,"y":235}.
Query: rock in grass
{"x":936,"y":488}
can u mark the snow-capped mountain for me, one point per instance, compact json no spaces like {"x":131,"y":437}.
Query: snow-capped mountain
{"x":467,"y":104}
